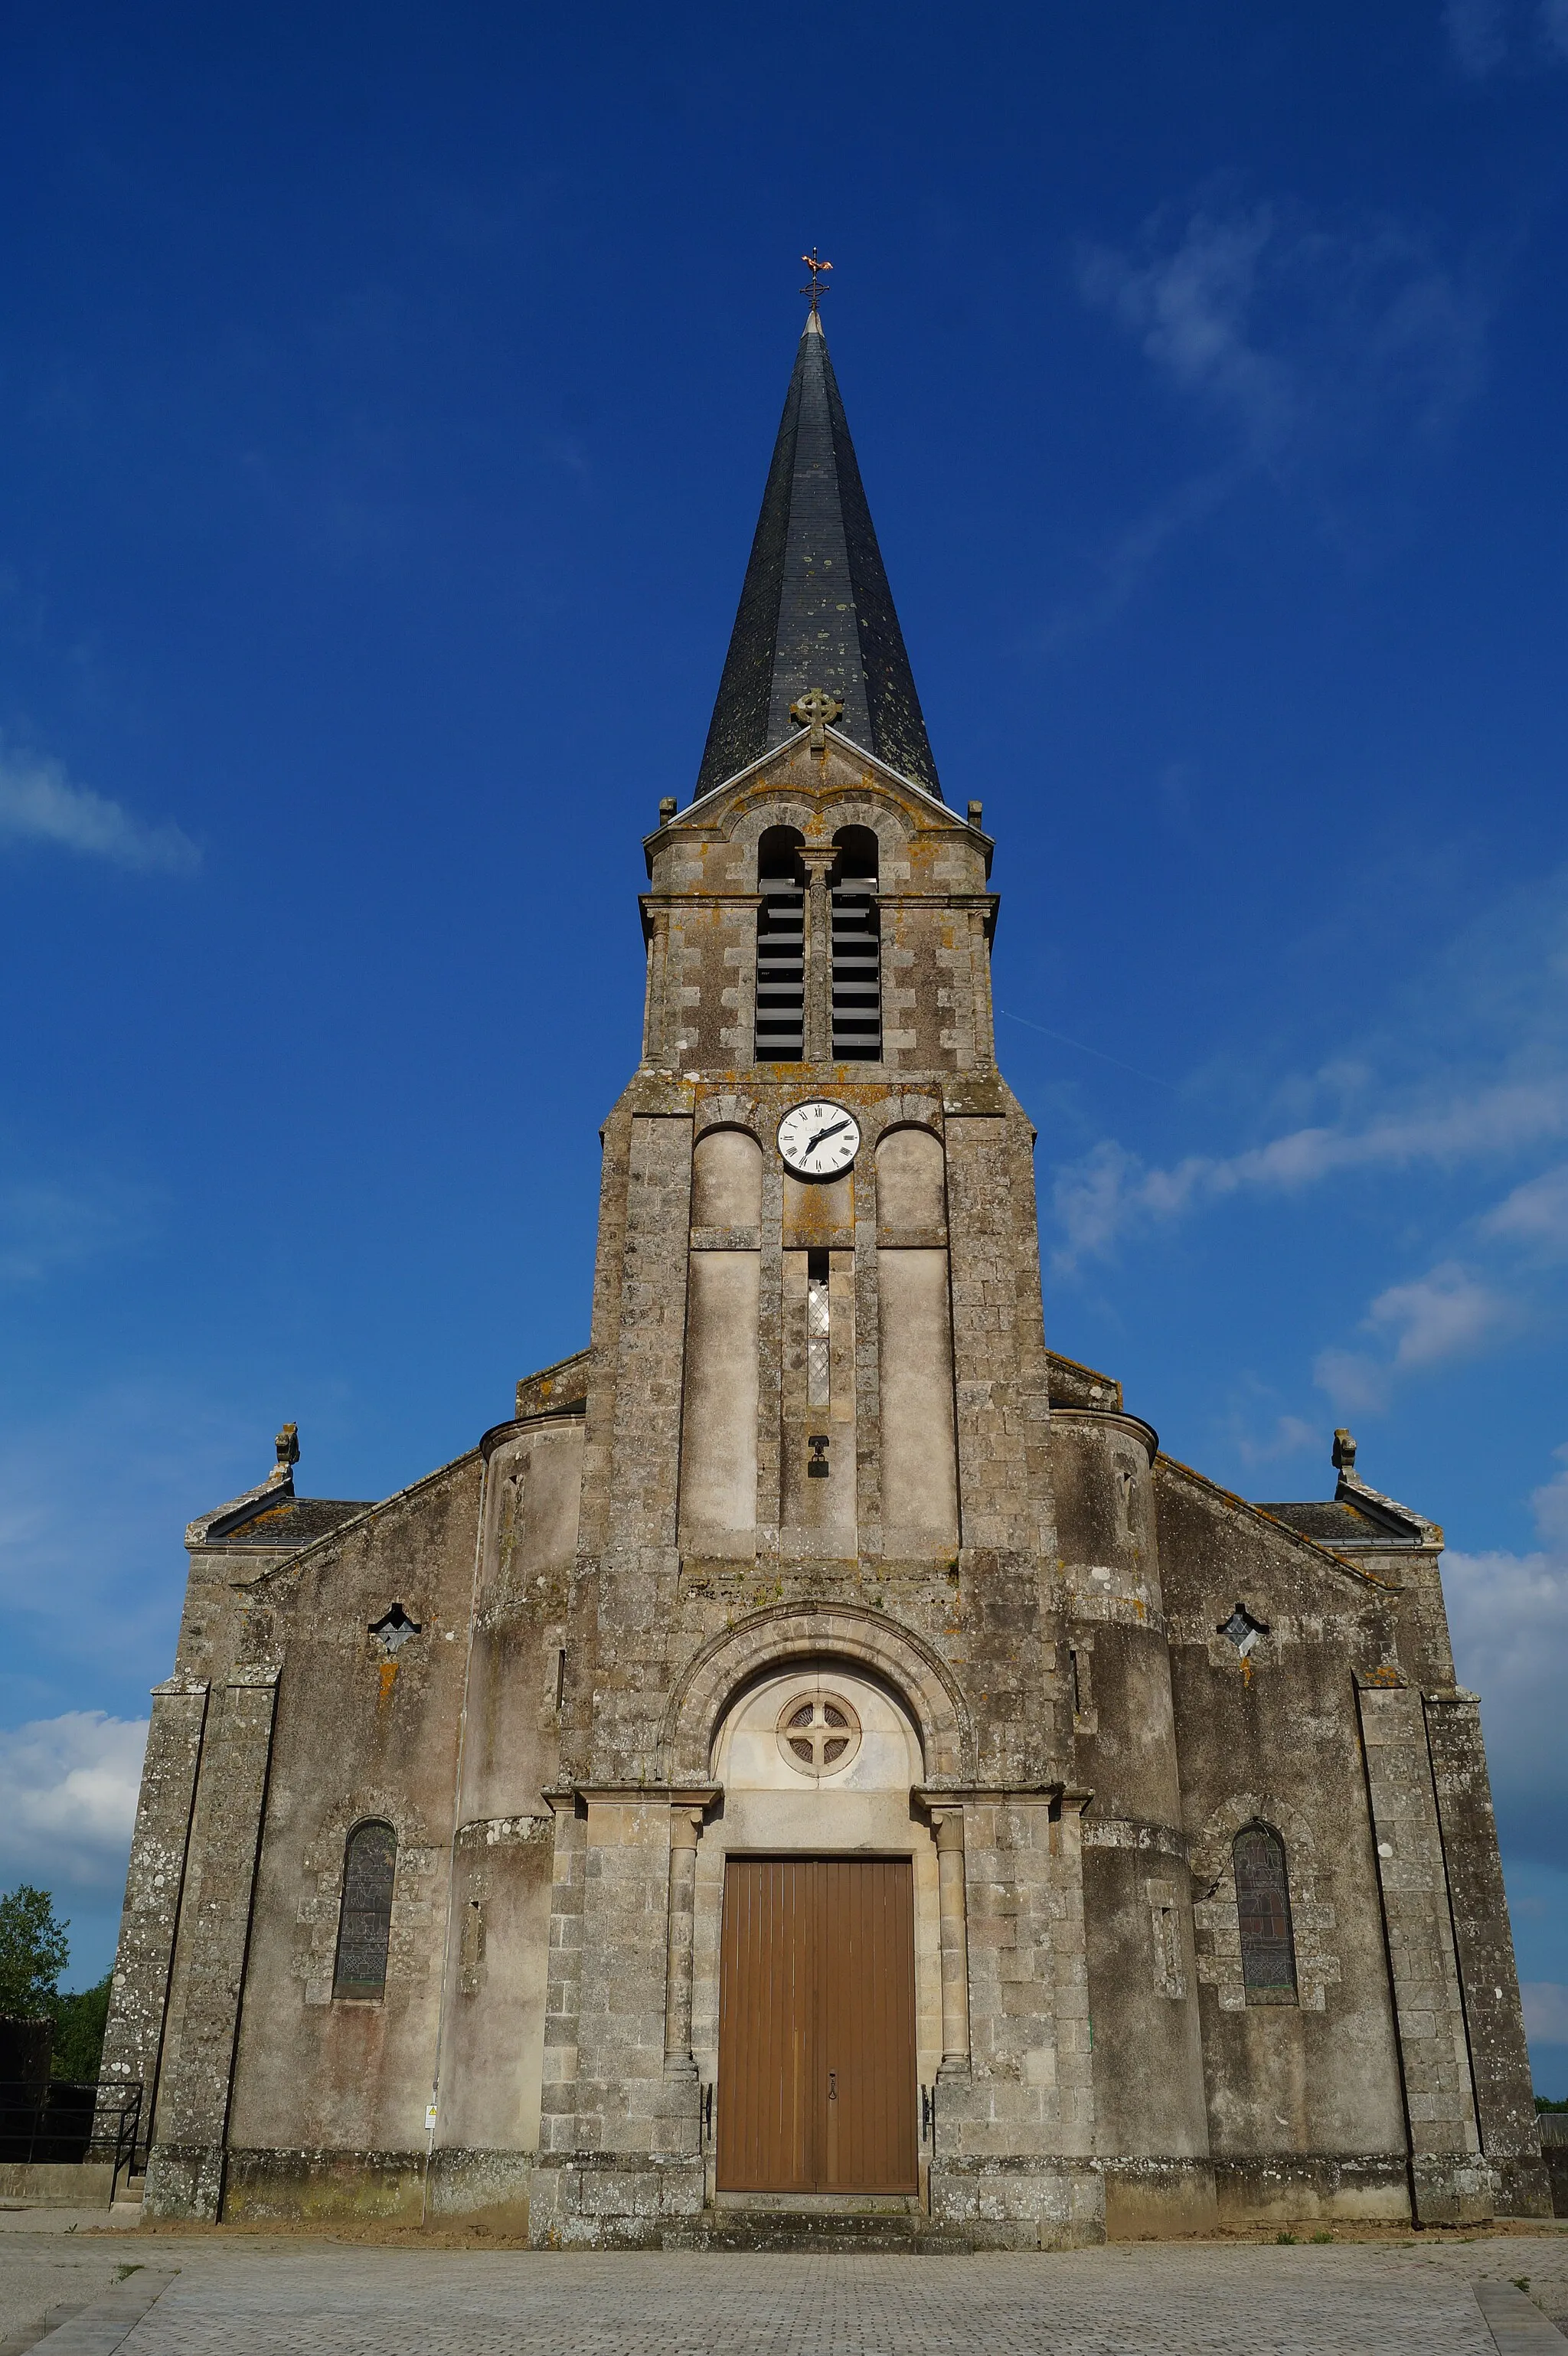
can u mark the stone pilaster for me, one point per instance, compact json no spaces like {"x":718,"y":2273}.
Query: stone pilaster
{"x":1014,"y":2134}
{"x":621,"y":2150}
{"x":685,"y":1825}
{"x":947,"y":1824}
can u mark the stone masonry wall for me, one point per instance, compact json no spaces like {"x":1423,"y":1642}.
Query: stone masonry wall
{"x":1494,"y":2021}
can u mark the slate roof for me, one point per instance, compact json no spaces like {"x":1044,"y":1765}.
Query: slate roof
{"x":816,"y":609}
{"x":274,"y":1517}
{"x":1333,"y":1522}
{"x":295,"y":1522}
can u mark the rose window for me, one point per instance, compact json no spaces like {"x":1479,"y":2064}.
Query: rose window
{"x":818,"y":1733}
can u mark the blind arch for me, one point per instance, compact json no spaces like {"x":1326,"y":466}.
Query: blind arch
{"x":726,"y":1178}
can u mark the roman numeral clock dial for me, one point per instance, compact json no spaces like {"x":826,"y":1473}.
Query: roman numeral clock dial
{"x":819,"y":1140}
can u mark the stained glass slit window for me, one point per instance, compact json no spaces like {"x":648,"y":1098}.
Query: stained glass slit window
{"x":1262,"y":1903}
{"x":365,"y":1922}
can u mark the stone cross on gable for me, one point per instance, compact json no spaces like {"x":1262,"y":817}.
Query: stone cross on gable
{"x":814,"y":710}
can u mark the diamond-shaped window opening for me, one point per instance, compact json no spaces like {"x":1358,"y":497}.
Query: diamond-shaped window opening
{"x":393,"y":1630}
{"x":1242,"y":1630}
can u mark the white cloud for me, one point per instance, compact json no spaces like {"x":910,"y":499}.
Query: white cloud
{"x":1110,"y":1192}
{"x":1486,"y":34}
{"x":1353,"y":1383}
{"x":1447,"y":1313}
{"x":93,"y":1494}
{"x":1508,"y":1615}
{"x":1534,"y":1215}
{"x":38,"y":804}
{"x":1545,"y":2011}
{"x":67,"y":1798}
{"x":1305,"y":335}
{"x":1304,"y":330}
{"x":1549,"y":1503}
{"x":46,"y":1225}
{"x":1291,"y":1435}
{"x":1477,"y":34}
{"x":1189,"y":305}
{"x":1443,"y":1314}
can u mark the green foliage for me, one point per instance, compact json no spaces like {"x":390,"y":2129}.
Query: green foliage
{"x":1542,"y":2103}
{"x":33,"y":1951}
{"x":79,"y":2032}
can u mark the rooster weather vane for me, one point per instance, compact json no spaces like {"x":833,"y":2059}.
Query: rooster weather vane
{"x":817,"y":289}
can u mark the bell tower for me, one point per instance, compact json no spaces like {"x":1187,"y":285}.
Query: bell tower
{"x":817,"y":1403}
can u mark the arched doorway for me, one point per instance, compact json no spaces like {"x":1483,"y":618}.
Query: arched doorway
{"x":821,"y":1884}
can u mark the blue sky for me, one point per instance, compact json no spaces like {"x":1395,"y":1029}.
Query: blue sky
{"x":385,"y":397}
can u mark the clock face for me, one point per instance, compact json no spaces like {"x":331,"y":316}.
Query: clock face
{"x":818,"y":1139}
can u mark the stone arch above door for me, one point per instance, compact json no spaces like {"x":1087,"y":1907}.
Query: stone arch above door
{"x":773,"y":1640}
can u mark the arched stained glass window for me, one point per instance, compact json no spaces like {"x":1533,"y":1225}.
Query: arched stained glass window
{"x":1262,"y":1903}
{"x":365,"y":1922}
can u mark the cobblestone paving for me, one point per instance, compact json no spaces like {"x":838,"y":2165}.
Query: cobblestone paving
{"x":1541,"y":2261}
{"x":40,"y":2271}
{"x":1216,"y":2299}
{"x":273,"y":2295}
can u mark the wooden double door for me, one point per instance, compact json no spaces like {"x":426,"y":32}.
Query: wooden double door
{"x":817,"y":2044}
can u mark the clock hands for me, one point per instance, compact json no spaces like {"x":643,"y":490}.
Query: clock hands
{"x":824,"y":1134}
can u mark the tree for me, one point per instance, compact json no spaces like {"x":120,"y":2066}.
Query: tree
{"x":33,"y":1951}
{"x":80,"y":2022}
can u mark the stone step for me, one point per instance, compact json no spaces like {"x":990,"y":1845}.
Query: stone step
{"x":839,"y":2233}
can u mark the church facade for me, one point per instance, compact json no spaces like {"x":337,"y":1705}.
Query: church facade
{"x":818,"y":1768}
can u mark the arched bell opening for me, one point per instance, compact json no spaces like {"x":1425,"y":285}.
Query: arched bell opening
{"x":857,"y":948}
{"x":780,"y":1033}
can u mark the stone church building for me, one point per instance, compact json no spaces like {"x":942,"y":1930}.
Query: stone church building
{"x":816,"y":1768}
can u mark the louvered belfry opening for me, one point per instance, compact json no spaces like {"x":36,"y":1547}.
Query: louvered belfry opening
{"x":857,"y":948}
{"x":781,"y":949}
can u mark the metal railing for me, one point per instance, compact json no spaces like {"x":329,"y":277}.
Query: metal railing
{"x":61,"y":2123}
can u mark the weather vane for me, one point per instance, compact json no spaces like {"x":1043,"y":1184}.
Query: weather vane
{"x":817,"y":289}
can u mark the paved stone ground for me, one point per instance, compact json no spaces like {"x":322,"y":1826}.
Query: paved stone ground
{"x":49,"y":2268}
{"x":275,"y":2295}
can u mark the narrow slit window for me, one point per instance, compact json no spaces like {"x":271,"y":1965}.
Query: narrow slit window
{"x":365,"y":1921}
{"x":818,"y":1333}
{"x":781,"y":949}
{"x":857,"y":948}
{"x":1263,"y":1905}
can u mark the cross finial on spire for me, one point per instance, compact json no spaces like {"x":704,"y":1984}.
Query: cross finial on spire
{"x":814,"y":710}
{"x":817,"y":289}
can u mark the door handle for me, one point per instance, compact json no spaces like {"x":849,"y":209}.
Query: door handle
{"x":833,"y":2086}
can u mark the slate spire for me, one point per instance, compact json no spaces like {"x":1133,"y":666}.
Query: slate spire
{"x":816,"y":609}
